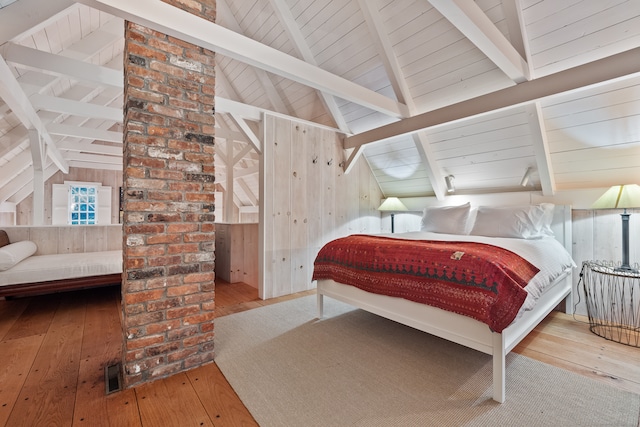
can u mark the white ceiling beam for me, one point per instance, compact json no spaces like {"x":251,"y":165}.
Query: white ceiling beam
{"x":16,"y":99}
{"x":94,"y":158}
{"x":84,"y":133}
{"x":21,"y":186}
{"x":621,"y":65}
{"x":93,"y":165}
{"x":292,"y":30}
{"x":244,"y":127}
{"x":541,"y":149}
{"x":515,"y":26}
{"x":471,"y":21}
{"x":223,"y":12}
{"x":245,"y":150}
{"x":62,"y":66}
{"x":183,"y":25}
{"x":76,"y":108}
{"x":29,"y":16}
{"x":401,"y":89}
{"x":224,"y":133}
{"x":87,"y":147}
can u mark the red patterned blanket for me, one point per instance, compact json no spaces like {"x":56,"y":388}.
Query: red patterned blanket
{"x":478,"y":280}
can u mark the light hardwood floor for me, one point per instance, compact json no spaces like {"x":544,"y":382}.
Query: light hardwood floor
{"x":54,"y":349}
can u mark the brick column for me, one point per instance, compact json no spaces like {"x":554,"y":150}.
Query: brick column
{"x":169,"y":232}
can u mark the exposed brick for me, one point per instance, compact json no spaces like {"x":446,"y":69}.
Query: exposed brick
{"x":182,"y":332}
{"x":199,"y":278}
{"x":183,"y":290}
{"x":146,"y":273}
{"x":144,"y":296}
{"x":162,"y":349}
{"x":199,"y":359}
{"x":169,"y":181}
{"x":136,"y":343}
{"x":182,"y":312}
{"x":181,"y":354}
{"x":198,"y":339}
{"x":182,"y":269}
{"x":164,"y":260}
{"x":159,"y":328}
{"x":144,"y":228}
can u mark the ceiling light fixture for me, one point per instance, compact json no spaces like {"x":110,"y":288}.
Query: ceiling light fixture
{"x":449,"y":180}
{"x":527,"y":175}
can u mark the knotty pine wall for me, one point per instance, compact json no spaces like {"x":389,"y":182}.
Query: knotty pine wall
{"x":306,"y":200}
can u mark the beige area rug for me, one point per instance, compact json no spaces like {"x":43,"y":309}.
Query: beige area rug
{"x":356,"y":369}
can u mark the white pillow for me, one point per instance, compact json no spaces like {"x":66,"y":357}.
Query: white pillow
{"x":520,"y":222}
{"x":13,"y":253}
{"x":446,"y":219}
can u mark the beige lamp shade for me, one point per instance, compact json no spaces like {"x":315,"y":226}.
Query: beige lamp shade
{"x":618,"y":197}
{"x":392,"y":204}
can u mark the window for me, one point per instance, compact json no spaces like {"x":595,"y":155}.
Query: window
{"x":83,"y":203}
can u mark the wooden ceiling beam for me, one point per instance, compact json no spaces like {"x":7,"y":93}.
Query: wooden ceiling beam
{"x":471,"y":21}
{"x":621,"y":65}
{"x":170,"y":20}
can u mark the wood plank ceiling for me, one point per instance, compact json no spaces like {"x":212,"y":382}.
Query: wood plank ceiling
{"x":368,"y":68}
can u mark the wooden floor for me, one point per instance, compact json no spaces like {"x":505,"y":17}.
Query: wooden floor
{"x":54,"y":349}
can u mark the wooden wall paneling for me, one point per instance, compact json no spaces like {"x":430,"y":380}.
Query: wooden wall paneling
{"x":300,"y":263}
{"x":315,"y":185}
{"x":250,"y":256}
{"x":583,"y":229}
{"x":281,"y":244}
{"x":95,"y":239}
{"x":328,"y":184}
{"x":70,"y":239}
{"x":607,"y":232}
{"x":47,"y":239}
{"x":266,"y":189}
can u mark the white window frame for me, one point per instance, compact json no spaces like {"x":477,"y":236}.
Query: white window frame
{"x":61,"y":201}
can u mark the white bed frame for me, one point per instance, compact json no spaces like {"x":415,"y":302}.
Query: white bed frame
{"x":458,"y":328}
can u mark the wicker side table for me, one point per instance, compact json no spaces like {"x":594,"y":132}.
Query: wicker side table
{"x":613,"y":301}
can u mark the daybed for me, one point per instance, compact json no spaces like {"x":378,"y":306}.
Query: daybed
{"x":510,"y":228}
{"x":22,"y":273}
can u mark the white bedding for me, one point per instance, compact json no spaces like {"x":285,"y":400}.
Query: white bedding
{"x":43,"y":268}
{"x":547,"y":254}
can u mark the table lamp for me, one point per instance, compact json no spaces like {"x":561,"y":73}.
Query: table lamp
{"x":392,"y":204}
{"x":617,"y":197}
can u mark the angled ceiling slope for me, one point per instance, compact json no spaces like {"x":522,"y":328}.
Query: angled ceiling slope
{"x":479,"y":90}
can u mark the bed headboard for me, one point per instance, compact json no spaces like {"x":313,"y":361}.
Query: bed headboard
{"x":561,"y":226}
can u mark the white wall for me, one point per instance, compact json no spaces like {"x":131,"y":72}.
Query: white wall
{"x":306,"y":200}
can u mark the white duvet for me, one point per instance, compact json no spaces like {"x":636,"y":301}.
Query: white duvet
{"x":547,"y":254}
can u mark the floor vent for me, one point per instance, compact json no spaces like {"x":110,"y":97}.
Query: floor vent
{"x":113,"y":378}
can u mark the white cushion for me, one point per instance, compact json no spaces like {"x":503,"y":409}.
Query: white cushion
{"x":446,"y":219}
{"x":13,"y":253}
{"x":520,"y":222}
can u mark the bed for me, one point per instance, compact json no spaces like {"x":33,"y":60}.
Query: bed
{"x":22,"y":273}
{"x":553,"y":285}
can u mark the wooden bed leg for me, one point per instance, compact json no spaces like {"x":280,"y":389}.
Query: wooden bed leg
{"x":499,"y":368}
{"x":320,"y":299}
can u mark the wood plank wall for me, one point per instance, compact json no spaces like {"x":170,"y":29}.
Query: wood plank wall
{"x":307,"y":200}
{"x":69,"y":239}
{"x":113,"y":179}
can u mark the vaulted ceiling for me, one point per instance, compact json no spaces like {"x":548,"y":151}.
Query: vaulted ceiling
{"x":481,"y":90}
